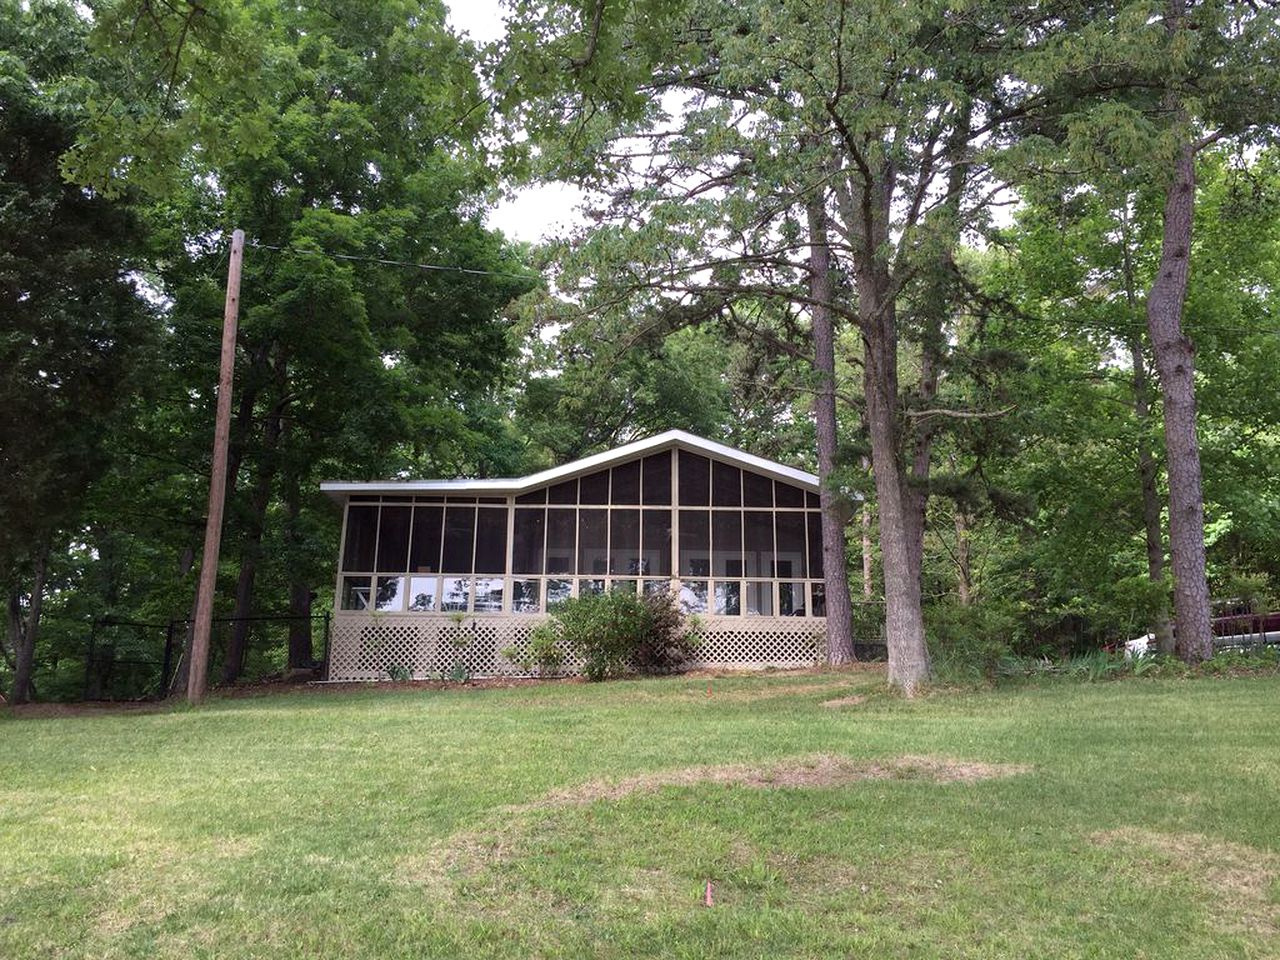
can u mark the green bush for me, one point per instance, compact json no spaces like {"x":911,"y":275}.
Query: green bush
{"x":969,"y":643}
{"x":618,"y":633}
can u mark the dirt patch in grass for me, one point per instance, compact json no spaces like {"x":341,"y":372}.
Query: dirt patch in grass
{"x":821,"y":770}
{"x":1237,"y":878}
{"x":838,"y":702}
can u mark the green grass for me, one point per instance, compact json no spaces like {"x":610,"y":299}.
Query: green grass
{"x":415,"y":824}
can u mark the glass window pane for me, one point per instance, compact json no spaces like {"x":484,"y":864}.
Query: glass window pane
{"x":819,"y":592}
{"x":423,"y":594}
{"x":424,"y":550}
{"x":491,"y":541}
{"x":393,"y":538}
{"x":757,"y":491}
{"x":624,"y":542}
{"x":562,"y":540}
{"x":726,"y":485}
{"x":362,"y":532}
{"x":726,"y":543}
{"x":459,"y":538}
{"x":656,"y":543}
{"x":489,"y":592}
{"x":791,"y":547}
{"x":815,"y":545}
{"x":355,"y":593}
{"x":695,"y":543}
{"x":625,"y":586}
{"x":626,"y":483}
{"x":590,"y":588}
{"x":695,"y":480}
{"x":566,"y":492}
{"x":729,"y":598}
{"x":812,"y":500}
{"x":787,"y":495}
{"x":535,"y":496}
{"x":390,"y":595}
{"x":594,"y":488}
{"x":593,"y":532}
{"x":791,"y":599}
{"x":657,"y":479}
{"x":558,"y":591}
{"x":760,"y":599}
{"x":454,"y":593}
{"x":524,"y":596}
{"x":757,"y":542}
{"x":693,"y":596}
{"x":529,"y":531}
{"x":657,"y":586}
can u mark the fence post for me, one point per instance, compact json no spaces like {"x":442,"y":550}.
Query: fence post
{"x":167,"y":663}
{"x":324,"y":674}
{"x":88,"y":660}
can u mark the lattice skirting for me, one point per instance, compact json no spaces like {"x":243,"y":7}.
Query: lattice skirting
{"x":423,"y":646}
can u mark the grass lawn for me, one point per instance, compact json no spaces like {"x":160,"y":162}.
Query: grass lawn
{"x":1126,"y":819}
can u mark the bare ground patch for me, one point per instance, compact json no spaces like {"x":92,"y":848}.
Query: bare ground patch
{"x":820,"y":770}
{"x":1237,"y":878}
{"x":838,"y":702}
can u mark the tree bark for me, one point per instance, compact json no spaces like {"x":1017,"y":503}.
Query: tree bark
{"x":301,"y":651}
{"x":1161,"y":627}
{"x":835,"y":569}
{"x":1175,"y":361}
{"x":868,"y":571}
{"x":964,"y":565}
{"x":23,"y":632}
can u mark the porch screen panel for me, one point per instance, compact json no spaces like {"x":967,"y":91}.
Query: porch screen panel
{"x":593,"y":533}
{"x":726,"y":543}
{"x":656,"y":487}
{"x":757,"y":491}
{"x":527,"y":552}
{"x":695,"y":543}
{"x":695,"y":480}
{"x":626,"y":484}
{"x":393,"y":538}
{"x":656,"y":542}
{"x":815,"y":546}
{"x":459,"y":538}
{"x":624,"y":543}
{"x":424,"y":548}
{"x":726,"y":485}
{"x":562,"y":540}
{"x":787,"y":495}
{"x":791,"y":553}
{"x":491,"y":541}
{"x":757,"y":537}
{"x":362,"y":534}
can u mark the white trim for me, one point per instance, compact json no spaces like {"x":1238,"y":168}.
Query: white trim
{"x":677,"y":439}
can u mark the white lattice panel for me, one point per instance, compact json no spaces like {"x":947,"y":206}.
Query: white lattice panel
{"x":366,"y":646}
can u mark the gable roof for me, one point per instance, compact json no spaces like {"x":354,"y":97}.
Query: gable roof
{"x":678,"y":439}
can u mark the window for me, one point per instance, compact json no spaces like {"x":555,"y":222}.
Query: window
{"x":423,"y":594}
{"x":819,"y":592}
{"x":362,"y":535}
{"x":815,"y":545}
{"x":757,"y":543}
{"x":791,"y":599}
{"x":693,"y":596}
{"x":760,"y":599}
{"x":355,"y":593}
{"x":728,"y":598}
{"x":489,"y":591}
{"x":726,"y":543}
{"x":787,"y":495}
{"x":529,"y":532}
{"x":524,"y":596}
{"x":757,"y":491}
{"x":566,"y":492}
{"x":594,"y":488}
{"x":454,"y":594}
{"x":390,"y":593}
{"x":558,"y":591}
{"x":791,"y":547}
{"x":536,"y":496}
{"x":656,"y":543}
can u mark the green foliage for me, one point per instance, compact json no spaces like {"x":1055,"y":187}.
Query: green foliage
{"x":969,"y":643}
{"x":619,"y":633}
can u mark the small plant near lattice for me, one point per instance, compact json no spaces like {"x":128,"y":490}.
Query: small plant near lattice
{"x":398,"y":672}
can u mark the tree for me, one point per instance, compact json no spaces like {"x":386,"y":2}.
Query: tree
{"x":75,"y":328}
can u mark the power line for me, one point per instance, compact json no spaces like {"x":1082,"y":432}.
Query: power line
{"x":441,"y":268}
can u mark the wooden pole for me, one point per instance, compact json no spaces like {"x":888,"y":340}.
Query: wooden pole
{"x":199,"y":670}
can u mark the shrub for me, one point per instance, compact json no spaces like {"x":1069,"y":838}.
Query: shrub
{"x":969,"y":643}
{"x":618,"y":633}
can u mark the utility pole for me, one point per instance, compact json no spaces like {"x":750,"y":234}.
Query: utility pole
{"x":199,"y":670}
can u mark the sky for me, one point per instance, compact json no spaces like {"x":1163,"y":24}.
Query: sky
{"x":534,"y":212}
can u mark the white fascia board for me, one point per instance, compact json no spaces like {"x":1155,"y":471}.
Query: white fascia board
{"x":515,"y":485}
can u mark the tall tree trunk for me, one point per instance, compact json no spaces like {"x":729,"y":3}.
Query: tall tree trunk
{"x":24,"y":631}
{"x":301,"y":651}
{"x":835,"y":570}
{"x":964,"y":565}
{"x":909,"y":665}
{"x":1175,"y":361}
{"x":868,"y":570}
{"x":1161,"y":627}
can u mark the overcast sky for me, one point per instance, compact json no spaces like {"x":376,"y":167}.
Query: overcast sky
{"x":537,"y":211}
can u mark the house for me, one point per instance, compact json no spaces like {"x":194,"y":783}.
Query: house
{"x":441,"y":576}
